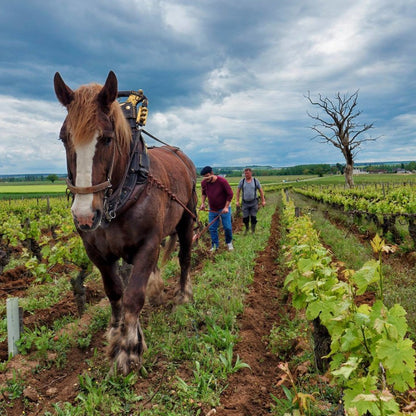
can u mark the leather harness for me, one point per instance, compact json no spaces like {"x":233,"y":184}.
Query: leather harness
{"x":137,"y":172}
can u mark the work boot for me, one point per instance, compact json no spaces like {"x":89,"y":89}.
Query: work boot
{"x":246,"y":230}
{"x":253,"y":228}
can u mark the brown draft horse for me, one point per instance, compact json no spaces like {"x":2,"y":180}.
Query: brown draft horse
{"x":97,"y":140}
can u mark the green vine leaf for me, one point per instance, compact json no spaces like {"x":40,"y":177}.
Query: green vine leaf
{"x":398,"y":358}
{"x":347,"y":368}
{"x":367,"y":275}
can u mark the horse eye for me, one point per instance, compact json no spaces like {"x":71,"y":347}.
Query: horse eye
{"x":106,"y":140}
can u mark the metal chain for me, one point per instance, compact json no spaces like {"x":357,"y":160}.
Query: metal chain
{"x":171,"y":195}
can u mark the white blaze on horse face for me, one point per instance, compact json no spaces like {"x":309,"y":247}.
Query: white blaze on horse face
{"x":82,"y":208}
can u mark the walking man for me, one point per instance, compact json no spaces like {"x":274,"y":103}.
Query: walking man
{"x":219,"y":194}
{"x":248,"y":187}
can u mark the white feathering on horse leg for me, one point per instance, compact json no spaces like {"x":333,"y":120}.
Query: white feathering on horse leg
{"x":154,"y":289}
{"x":186,"y":295}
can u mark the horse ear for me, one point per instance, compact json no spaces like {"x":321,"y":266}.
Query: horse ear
{"x":108,"y":94}
{"x":64,"y":94}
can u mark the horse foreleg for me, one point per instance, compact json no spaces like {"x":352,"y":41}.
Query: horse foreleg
{"x":185,"y":235}
{"x":113,"y":287}
{"x":127,"y":344}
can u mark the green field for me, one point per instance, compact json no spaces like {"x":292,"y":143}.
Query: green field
{"x":32,"y":189}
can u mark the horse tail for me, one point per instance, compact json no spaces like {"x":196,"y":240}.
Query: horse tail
{"x":169,"y":247}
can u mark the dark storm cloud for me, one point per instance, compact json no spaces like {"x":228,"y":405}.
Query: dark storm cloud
{"x":226,"y":80}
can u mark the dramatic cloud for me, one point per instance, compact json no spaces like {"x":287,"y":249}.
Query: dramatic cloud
{"x":226,"y":80}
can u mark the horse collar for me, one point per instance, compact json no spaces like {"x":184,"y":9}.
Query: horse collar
{"x":136,"y":173}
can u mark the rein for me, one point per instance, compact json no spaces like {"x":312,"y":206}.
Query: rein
{"x":155,"y":138}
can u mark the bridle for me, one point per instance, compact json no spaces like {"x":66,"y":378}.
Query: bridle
{"x":83,"y":190}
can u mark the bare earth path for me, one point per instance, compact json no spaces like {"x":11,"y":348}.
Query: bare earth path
{"x":248,"y":393}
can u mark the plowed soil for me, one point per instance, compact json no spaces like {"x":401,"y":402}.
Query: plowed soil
{"x":249,"y":390}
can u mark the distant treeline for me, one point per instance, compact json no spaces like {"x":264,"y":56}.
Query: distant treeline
{"x":317,"y":169}
{"x":314,"y":169}
{"x":411,"y":166}
{"x":52,"y":177}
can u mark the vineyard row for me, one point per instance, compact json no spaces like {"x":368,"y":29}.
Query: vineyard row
{"x":383,"y":209}
{"x":368,"y":353}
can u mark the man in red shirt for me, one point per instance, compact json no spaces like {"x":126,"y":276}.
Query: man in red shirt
{"x":219,"y":194}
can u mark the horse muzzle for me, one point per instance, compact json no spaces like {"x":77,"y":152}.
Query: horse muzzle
{"x":88,"y":222}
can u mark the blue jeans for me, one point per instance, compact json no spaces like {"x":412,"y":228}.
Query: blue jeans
{"x":226,"y":224}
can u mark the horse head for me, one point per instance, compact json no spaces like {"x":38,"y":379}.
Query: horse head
{"x":96,"y":137}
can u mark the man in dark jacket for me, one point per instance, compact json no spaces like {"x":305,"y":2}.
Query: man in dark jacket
{"x":219,"y":194}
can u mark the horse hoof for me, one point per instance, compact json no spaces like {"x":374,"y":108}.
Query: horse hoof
{"x":125,"y":365}
{"x":154,"y":289}
{"x":157,"y":299}
{"x":183,"y":297}
{"x":125,"y":354}
{"x":128,"y":363}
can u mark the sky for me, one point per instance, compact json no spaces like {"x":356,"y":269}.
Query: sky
{"x":226,"y":80}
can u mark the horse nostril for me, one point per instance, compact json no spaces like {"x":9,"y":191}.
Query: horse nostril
{"x":84,"y":221}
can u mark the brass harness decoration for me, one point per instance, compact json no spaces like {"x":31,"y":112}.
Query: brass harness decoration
{"x":129,"y":107}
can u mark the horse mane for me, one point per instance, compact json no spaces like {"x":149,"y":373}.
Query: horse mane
{"x":84,"y":118}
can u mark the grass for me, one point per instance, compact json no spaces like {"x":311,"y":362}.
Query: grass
{"x":13,"y":190}
{"x":203,"y":333}
{"x":60,"y":186}
{"x":24,"y":190}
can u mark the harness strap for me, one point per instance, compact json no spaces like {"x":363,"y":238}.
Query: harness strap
{"x":106,"y":185}
{"x":256,"y":187}
{"x":155,"y":138}
{"x":83,"y":190}
{"x":136,"y":173}
{"x":175,"y":150}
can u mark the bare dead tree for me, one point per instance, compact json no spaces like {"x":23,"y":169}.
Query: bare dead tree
{"x":336,"y":123}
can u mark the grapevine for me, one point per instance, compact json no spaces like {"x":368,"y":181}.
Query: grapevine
{"x":371,"y":356}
